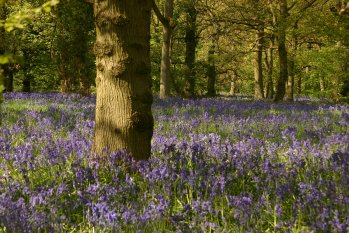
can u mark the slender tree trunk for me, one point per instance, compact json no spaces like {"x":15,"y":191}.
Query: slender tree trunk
{"x":81,"y":64}
{"x":211,"y":73}
{"x":258,"y":70}
{"x":2,"y":51}
{"x":190,"y":55}
{"x":63,"y":74}
{"x":269,"y":63}
{"x":124,"y":119}
{"x":299,"y":84}
{"x":322,"y":84}
{"x":291,"y":78}
{"x":291,"y":64}
{"x":344,"y":90}
{"x":65,"y":54}
{"x":83,"y":75}
{"x":27,"y":83}
{"x":165,"y":74}
{"x":9,"y":78}
{"x":1,"y":93}
{"x":282,"y":26}
{"x":233,"y":86}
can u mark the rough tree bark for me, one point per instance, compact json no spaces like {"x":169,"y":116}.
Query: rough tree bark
{"x":123,"y":106}
{"x":258,"y":66}
{"x":283,"y":75}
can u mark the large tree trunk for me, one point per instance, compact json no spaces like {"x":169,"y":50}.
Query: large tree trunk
{"x":190,"y":54}
{"x":124,"y":119}
{"x":258,"y":70}
{"x":269,"y":63}
{"x":165,"y":73}
{"x":282,"y":26}
{"x":211,"y":73}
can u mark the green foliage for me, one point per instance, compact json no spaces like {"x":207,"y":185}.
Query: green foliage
{"x":58,"y":45}
{"x":6,"y":58}
{"x":21,"y":18}
{"x":325,"y":71}
{"x":55,"y":42}
{"x":72,"y":43}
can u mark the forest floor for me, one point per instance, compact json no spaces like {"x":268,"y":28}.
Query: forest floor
{"x":217,"y":165}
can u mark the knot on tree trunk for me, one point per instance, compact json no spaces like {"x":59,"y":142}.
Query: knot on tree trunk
{"x":117,"y":70}
{"x":105,"y":20}
{"x":103,"y":49}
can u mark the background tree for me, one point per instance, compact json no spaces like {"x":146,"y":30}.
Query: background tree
{"x":244,"y":34}
{"x":269,"y":67}
{"x":168,"y":25}
{"x":191,"y":42}
{"x":2,"y":51}
{"x":281,"y":25}
{"x":73,"y":36}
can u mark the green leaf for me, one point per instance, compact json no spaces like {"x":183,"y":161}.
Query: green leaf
{"x":47,"y":9}
{"x":9,"y":28}
{"x":4,"y":60}
{"x":37,"y":10}
{"x":54,"y":2}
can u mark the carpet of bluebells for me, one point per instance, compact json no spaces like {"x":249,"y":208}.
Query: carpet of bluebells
{"x":217,"y":165}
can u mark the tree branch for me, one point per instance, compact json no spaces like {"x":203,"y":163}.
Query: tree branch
{"x":344,"y":9}
{"x":290,"y":8}
{"x":158,"y":14}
